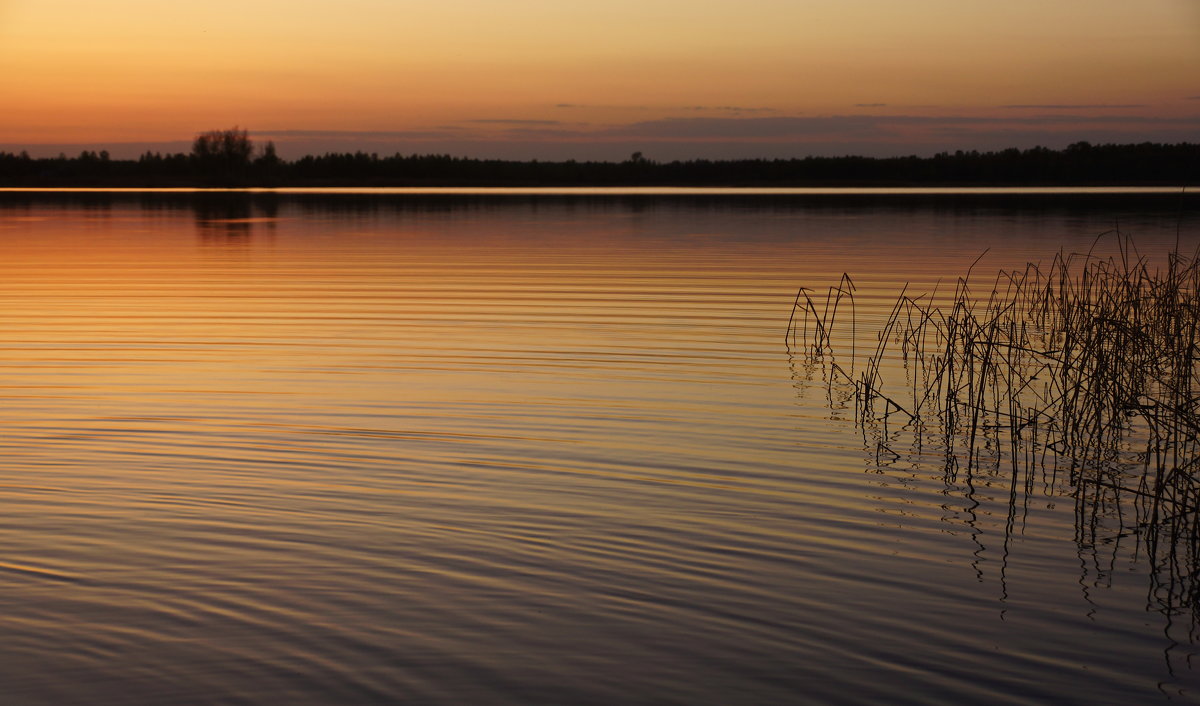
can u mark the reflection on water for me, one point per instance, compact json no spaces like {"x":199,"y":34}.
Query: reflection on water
{"x":521,"y":450}
{"x":1077,"y":380}
{"x":234,"y":217}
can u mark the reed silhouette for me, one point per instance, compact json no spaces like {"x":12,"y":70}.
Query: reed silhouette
{"x":1081,"y":379}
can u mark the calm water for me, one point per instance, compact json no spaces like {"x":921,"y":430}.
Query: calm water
{"x":522,"y":450}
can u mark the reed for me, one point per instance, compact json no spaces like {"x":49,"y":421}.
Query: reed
{"x":1084,"y":370}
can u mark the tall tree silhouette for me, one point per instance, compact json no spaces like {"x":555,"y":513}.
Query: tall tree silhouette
{"x":223,"y":156}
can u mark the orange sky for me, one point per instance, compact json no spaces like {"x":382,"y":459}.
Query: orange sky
{"x":547,"y":78}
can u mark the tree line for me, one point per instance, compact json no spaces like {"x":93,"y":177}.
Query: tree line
{"x":230,"y":158}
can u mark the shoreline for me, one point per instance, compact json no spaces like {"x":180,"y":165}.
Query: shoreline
{"x":628,"y":190}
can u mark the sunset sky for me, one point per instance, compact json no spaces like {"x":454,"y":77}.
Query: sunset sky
{"x":550,"y":79}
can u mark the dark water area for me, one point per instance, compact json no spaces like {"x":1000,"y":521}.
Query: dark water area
{"x":527,"y":448}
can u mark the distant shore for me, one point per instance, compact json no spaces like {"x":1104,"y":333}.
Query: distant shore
{"x":1081,"y":164}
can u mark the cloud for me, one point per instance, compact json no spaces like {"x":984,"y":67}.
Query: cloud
{"x":727,"y":109}
{"x":354,"y":134}
{"x":600,"y":106}
{"x":711,"y":136}
{"x":854,"y":128}
{"x":511,"y":121}
{"x":736,"y":109}
{"x":1075,"y":106}
{"x":743,"y":128}
{"x":548,"y":133}
{"x":862,"y":126}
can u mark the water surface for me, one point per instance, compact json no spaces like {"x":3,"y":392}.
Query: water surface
{"x":421,"y":448}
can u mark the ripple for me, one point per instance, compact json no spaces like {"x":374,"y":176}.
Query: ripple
{"x":534,"y":453}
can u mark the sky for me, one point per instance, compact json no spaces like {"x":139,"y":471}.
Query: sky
{"x":550,"y":79}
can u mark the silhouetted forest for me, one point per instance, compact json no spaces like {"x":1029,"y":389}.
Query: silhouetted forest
{"x":229,"y":158}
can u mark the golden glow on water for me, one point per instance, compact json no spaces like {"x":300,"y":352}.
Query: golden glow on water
{"x":318,"y":450}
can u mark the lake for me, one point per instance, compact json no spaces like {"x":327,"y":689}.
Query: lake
{"x":529,"y":448}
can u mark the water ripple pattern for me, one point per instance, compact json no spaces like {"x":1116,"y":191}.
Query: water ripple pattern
{"x":449,"y":450}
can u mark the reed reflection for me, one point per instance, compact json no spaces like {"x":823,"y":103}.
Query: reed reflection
{"x":1079,"y":381}
{"x":408,"y":428}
